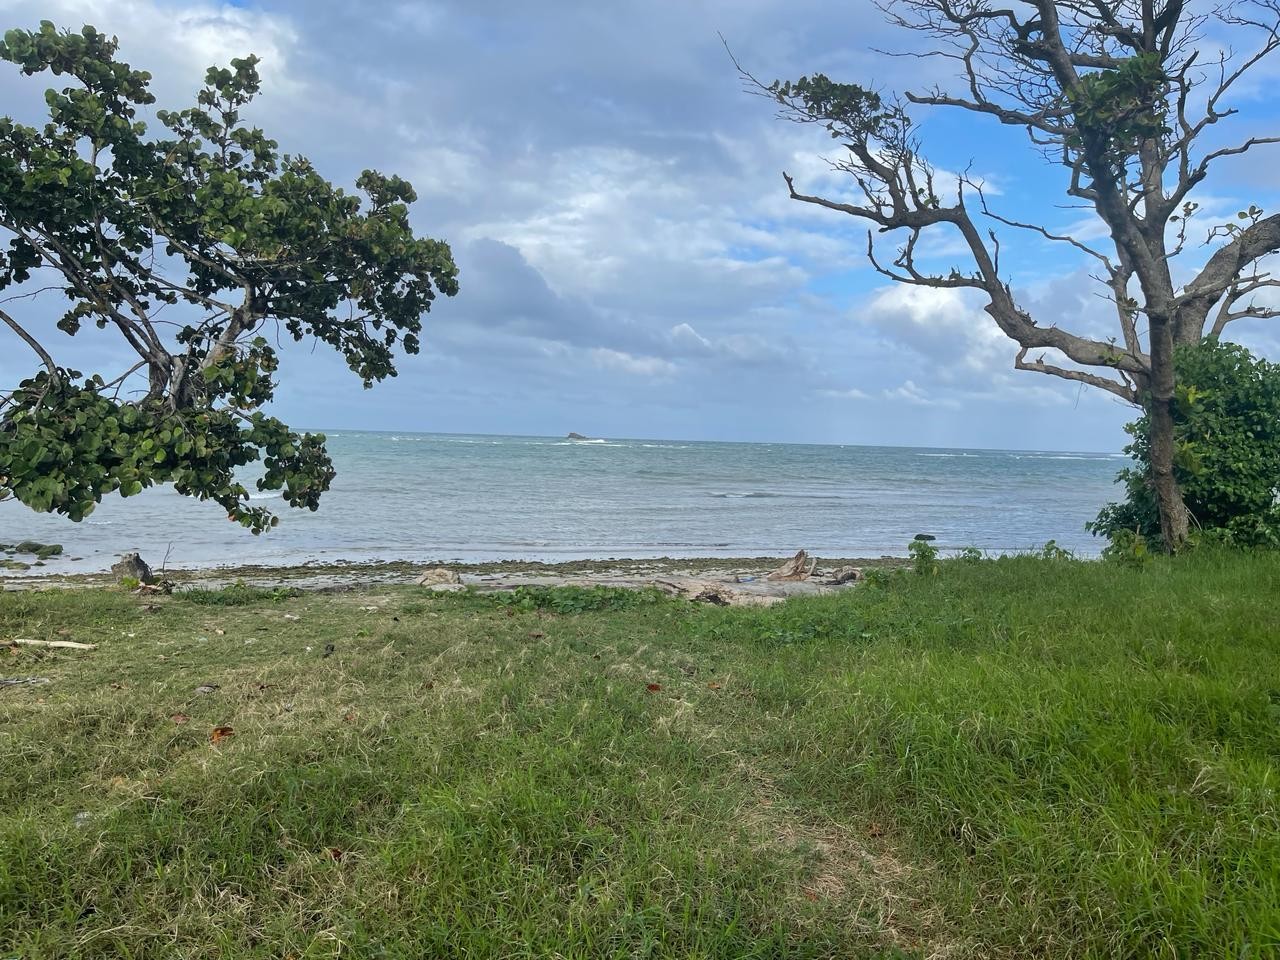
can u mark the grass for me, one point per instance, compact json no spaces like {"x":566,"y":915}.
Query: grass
{"x":1015,"y":758}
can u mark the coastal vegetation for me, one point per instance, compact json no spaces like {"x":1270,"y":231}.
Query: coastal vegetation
{"x":112,"y":226}
{"x":1126,"y":99}
{"x":1227,"y":433}
{"x":1027,"y":756}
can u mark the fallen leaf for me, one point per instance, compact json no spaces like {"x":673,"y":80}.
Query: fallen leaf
{"x":875,"y":830}
{"x":351,"y":715}
{"x":654,"y":687}
{"x":206,"y":688}
{"x":810,"y":895}
{"x":713,"y":686}
{"x":536,"y":634}
{"x":220,"y":733}
{"x":179,"y":718}
{"x":335,"y":853}
{"x":117,"y":686}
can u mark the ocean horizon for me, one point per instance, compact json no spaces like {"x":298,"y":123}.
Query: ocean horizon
{"x":474,"y":497}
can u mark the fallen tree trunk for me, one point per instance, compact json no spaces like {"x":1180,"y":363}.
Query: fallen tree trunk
{"x":799,"y":567}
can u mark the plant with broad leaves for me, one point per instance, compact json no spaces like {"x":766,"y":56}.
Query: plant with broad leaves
{"x":1227,"y":427}
{"x":211,"y":223}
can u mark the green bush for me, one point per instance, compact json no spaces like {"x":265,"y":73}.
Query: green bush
{"x":1227,"y":423}
{"x":238,"y":594}
{"x":924,"y":557}
{"x":577,"y":599}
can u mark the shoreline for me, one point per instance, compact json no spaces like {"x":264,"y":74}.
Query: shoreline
{"x":494,"y":574}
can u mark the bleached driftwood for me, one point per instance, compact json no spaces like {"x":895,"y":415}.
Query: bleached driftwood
{"x":799,"y":567}
{"x":67,"y":644}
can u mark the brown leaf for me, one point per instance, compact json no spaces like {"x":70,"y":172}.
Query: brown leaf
{"x":335,"y":853}
{"x":654,"y":687}
{"x":179,"y":718}
{"x":220,"y":733}
{"x":713,"y":686}
{"x":810,"y":895}
{"x":351,"y":715}
{"x":536,"y":634}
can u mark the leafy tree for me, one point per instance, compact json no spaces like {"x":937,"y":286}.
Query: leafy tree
{"x":1126,"y":97}
{"x":1227,"y":433}
{"x":190,"y":247}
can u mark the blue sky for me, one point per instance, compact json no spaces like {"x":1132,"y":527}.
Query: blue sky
{"x":630,"y":263}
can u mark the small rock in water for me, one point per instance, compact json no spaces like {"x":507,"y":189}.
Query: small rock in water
{"x":925,"y":537}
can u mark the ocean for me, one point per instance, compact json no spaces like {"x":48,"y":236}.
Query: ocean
{"x":427,"y":497}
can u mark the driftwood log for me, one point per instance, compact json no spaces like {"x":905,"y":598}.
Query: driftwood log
{"x":799,"y":567}
{"x":65,"y":644}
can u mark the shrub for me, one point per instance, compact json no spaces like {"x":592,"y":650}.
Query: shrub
{"x":1227,"y":428}
{"x":924,"y":557}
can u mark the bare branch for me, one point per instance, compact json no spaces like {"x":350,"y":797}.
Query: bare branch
{"x":34,"y":344}
{"x":1121,"y":389}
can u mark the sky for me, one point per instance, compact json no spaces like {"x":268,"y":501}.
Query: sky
{"x":630,"y":263}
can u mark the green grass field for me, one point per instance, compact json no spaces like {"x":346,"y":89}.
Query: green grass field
{"x":1014,"y":758}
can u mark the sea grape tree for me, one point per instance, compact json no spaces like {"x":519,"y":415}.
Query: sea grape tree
{"x":201,"y":248}
{"x":1129,"y":98}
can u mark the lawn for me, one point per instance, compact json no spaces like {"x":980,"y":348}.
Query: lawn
{"x":1014,"y":758}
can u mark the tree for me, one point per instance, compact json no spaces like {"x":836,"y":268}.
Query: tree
{"x":1227,"y":432}
{"x":1119,"y":94}
{"x":191,"y":248}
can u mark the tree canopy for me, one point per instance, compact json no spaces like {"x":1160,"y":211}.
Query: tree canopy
{"x":201,"y":248}
{"x":1126,"y":96}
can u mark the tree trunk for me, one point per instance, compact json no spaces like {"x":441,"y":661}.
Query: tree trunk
{"x":1174,"y":522}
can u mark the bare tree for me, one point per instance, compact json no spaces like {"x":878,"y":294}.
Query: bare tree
{"x":1118,"y":93}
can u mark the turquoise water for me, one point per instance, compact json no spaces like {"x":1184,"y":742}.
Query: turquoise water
{"x":441,"y":497}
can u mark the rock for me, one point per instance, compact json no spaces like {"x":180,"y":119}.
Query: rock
{"x":132,"y":565}
{"x":845,"y":575}
{"x":439,"y":576}
{"x":42,"y":551}
{"x":576,"y":436}
{"x":924,"y":537}
{"x":445,"y":587}
{"x":799,"y":567}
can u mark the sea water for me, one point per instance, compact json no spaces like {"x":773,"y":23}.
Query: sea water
{"x":426,"y":497}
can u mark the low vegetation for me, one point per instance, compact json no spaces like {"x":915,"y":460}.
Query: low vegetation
{"x":1003,"y":758}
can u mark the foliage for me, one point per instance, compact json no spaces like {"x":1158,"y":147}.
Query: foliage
{"x":209,"y":221}
{"x":1052,"y":552}
{"x":924,"y":557}
{"x":1227,"y":428}
{"x":237,"y":594}
{"x":1122,"y":106}
{"x":1128,"y":547}
{"x":970,"y":555}
{"x":570,"y":600}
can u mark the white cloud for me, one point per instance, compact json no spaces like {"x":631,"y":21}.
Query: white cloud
{"x":625,"y":362}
